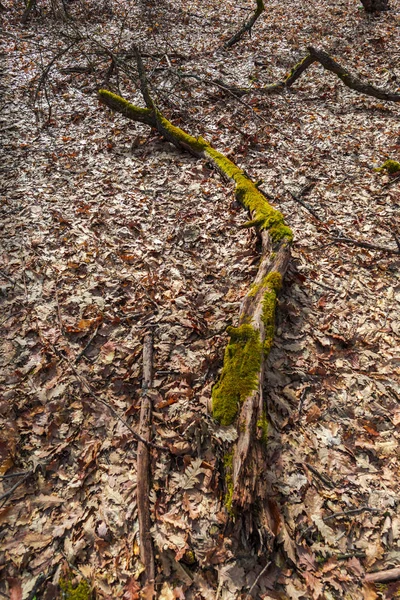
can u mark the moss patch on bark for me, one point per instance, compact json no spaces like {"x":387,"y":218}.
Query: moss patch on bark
{"x":240,"y":373}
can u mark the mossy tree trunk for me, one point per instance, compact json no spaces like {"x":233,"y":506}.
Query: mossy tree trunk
{"x":237,"y":398}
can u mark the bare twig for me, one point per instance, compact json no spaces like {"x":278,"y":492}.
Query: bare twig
{"x":349,"y":513}
{"x":389,"y":183}
{"x":246,"y":26}
{"x":15,"y":486}
{"x":2,"y":274}
{"x":367,"y":245}
{"x":48,"y":67}
{"x":82,"y":352}
{"x":11,"y":475}
{"x":305,"y":205}
{"x":257,"y":579}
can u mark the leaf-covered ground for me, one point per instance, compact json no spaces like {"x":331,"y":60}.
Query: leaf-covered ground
{"x":108,"y":232}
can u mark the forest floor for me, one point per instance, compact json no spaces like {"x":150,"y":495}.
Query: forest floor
{"x":108,"y":232}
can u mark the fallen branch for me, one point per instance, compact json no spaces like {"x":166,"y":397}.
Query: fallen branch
{"x":315,"y":55}
{"x":237,"y":397}
{"x":143,"y":471}
{"x":383,"y":576}
{"x":247,"y":26}
{"x":350,"y":80}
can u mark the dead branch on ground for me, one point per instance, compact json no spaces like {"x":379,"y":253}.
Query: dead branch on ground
{"x":315,"y":55}
{"x":143,"y":470}
{"x":383,"y":576}
{"x":247,"y":26}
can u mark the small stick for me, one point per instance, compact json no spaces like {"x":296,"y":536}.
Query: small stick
{"x":10,"y":475}
{"x":389,"y":183}
{"x":383,"y":576}
{"x":82,"y":352}
{"x":305,"y":205}
{"x":15,"y":486}
{"x":2,"y":274}
{"x":350,"y":241}
{"x":353,"y":511}
{"x":143,"y":470}
{"x":259,"y":577}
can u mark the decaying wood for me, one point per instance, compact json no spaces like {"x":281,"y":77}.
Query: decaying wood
{"x":383,"y":576}
{"x":247,"y":26}
{"x":143,"y":470}
{"x":247,"y":463}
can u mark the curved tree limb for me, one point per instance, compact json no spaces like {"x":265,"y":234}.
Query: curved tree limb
{"x":247,"y":26}
{"x":350,"y":80}
{"x":315,"y":55}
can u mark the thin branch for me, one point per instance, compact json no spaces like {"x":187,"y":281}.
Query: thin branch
{"x":246,"y":26}
{"x":305,"y":205}
{"x":352,"y":81}
{"x":383,"y":576}
{"x":46,"y":70}
{"x":352,"y":242}
{"x":15,"y":486}
{"x":143,"y":469}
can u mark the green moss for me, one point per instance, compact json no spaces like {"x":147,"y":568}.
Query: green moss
{"x":240,"y":373}
{"x":295,"y":67}
{"x":264,"y":215}
{"x":273,"y":282}
{"x":391,"y":166}
{"x":263,"y":425}
{"x":176,"y":133}
{"x":228,"y":466}
{"x":145,"y":115}
{"x":80,"y":592}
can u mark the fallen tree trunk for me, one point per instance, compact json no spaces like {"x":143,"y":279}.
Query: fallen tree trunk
{"x":237,"y":397}
{"x":247,"y":26}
